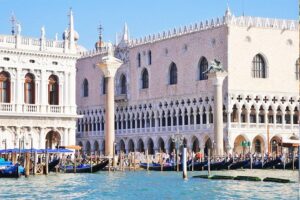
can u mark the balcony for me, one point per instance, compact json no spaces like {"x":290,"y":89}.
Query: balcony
{"x":121,"y":98}
{"x":34,"y":109}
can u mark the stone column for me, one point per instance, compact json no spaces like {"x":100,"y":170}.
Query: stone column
{"x":217,"y":80}
{"x":109,"y":65}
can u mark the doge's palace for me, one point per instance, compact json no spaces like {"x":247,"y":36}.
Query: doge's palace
{"x":161,"y":89}
{"x":37,"y":89}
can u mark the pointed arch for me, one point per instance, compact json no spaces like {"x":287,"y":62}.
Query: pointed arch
{"x":259,"y":67}
{"x":202,"y":67}
{"x":85,"y":88}
{"x":145,"y":79}
{"x":123,"y":84}
{"x":173,"y":74}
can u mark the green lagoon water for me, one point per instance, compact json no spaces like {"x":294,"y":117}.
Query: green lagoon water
{"x":149,"y":185}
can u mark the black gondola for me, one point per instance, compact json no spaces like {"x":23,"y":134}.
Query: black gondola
{"x":272,"y":163}
{"x":52,"y":165}
{"x":157,"y":167}
{"x":239,"y":164}
{"x":83,"y":168}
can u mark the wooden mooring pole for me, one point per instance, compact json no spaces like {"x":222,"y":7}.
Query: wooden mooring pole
{"x":27,"y":164}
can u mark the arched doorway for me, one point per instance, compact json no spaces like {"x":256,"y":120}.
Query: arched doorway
{"x":122,"y":146}
{"x":161,"y":145}
{"x":150,"y":146}
{"x":52,"y":140}
{"x":274,"y":143}
{"x":130,"y":146}
{"x":96,"y":146}
{"x":208,"y":146}
{"x":258,"y":144}
{"x":141,"y":146}
{"x":171,"y":145}
{"x":195,"y":147}
{"x":241,"y":145}
{"x":103,"y":147}
{"x":88,"y":148}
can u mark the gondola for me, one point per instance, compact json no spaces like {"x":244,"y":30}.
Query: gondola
{"x":218,"y":165}
{"x":11,"y":171}
{"x":288,"y":165}
{"x":52,"y":165}
{"x":256,"y":164}
{"x":239,"y":164}
{"x":84,"y":168}
{"x":157,"y":166}
{"x":198,"y":166}
{"x":271,"y":164}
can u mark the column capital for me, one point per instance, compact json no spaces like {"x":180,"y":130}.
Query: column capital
{"x":217,"y":77}
{"x":109,"y":65}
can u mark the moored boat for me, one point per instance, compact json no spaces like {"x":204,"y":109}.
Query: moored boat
{"x":85,"y":168}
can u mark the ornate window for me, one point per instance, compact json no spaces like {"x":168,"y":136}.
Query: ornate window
{"x":53,"y":89}
{"x":145,"y":79}
{"x":85,"y":88}
{"x":149,"y":57}
{"x":29,"y":89}
{"x":123,"y":84}
{"x":103,"y":85}
{"x":298,"y":69}
{"x":259,"y":67}
{"x":173,"y":74}
{"x":139,"y":59}
{"x":203,"y":65}
{"x":4,"y":87}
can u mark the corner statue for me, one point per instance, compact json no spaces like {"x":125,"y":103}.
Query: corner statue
{"x":215,"y":66}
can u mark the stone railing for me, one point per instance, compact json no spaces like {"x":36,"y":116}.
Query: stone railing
{"x":36,"y":44}
{"x":8,"y":108}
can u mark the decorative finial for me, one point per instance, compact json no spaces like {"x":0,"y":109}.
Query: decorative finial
{"x":13,"y":23}
{"x":125,"y":33}
{"x":110,"y":50}
{"x":18,"y":29}
{"x":43,"y":32}
{"x":228,"y":12}
{"x":99,"y":43}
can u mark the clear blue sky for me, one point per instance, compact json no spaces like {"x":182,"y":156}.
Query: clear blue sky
{"x":142,"y":16}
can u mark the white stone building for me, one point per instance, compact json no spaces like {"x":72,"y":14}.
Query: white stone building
{"x":161,"y":90}
{"x":37,"y":89}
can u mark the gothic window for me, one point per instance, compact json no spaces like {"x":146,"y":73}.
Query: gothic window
{"x":203,"y":65}
{"x":123,"y":84}
{"x":149,"y":57}
{"x":145,"y":79}
{"x":298,"y":69}
{"x":259,"y":67}
{"x":53,"y":90}
{"x":103,"y":86}
{"x":85,"y":88}
{"x":4,"y":87}
{"x":173,"y":74}
{"x":139,"y":59}
{"x":29,"y":89}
